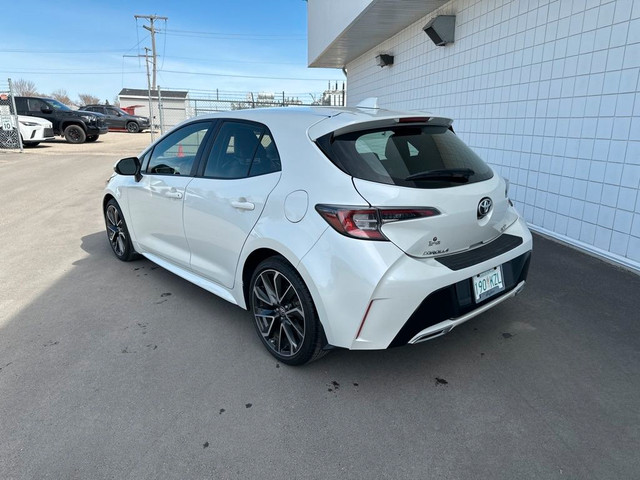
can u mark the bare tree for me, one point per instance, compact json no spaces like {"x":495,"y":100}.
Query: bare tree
{"x":116,"y":101}
{"x":24,"y":88}
{"x":62,"y":96}
{"x":88,"y":99}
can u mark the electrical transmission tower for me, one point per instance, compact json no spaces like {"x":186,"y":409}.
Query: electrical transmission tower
{"x":152,"y":30}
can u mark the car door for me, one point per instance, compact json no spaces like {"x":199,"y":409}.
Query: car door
{"x":114,"y":117}
{"x":156,"y":201}
{"x":225,"y":201}
{"x":41,"y":109}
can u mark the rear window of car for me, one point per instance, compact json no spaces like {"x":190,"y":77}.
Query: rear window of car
{"x":407,"y":155}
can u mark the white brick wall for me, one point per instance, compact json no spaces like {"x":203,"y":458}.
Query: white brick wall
{"x":547,"y":93}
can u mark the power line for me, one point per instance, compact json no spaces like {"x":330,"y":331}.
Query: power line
{"x":67,"y":72}
{"x":20,"y":50}
{"x":66,"y":52}
{"x":230,"y":61}
{"x":246,"y":76}
{"x":231,"y":35}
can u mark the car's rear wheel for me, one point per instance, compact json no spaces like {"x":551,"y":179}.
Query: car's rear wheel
{"x":92,"y":138}
{"x":284,"y":314}
{"x":117,"y":232}
{"x":74,"y":134}
{"x":133,"y":127}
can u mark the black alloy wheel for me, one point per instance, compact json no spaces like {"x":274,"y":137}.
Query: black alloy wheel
{"x":74,"y":134}
{"x":117,"y":232}
{"x":284,"y":314}
{"x":133,"y":127}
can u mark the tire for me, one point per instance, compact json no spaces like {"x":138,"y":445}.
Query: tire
{"x":74,"y":134}
{"x":133,"y":127}
{"x":117,"y":232}
{"x":287,"y":325}
{"x":92,"y":138}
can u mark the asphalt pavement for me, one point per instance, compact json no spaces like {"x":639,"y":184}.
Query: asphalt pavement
{"x":125,"y":371}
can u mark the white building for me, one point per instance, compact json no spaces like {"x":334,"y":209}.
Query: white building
{"x":545,"y":91}
{"x":334,"y":97}
{"x":175,"y":104}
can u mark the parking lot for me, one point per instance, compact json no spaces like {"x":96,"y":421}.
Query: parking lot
{"x":123,"y":370}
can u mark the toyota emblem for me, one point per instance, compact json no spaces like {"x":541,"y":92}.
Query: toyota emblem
{"x":484,"y":207}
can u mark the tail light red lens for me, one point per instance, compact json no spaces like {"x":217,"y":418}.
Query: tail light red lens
{"x":365,"y":223}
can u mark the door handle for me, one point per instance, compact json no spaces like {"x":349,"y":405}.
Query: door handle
{"x":242,"y":204}
{"x":173,"y":194}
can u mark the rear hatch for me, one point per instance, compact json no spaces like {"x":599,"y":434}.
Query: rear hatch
{"x":410,"y":167}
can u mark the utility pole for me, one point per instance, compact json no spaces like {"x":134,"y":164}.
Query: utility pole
{"x":149,"y":89}
{"x":152,"y":30}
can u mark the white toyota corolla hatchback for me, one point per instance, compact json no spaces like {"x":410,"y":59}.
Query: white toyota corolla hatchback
{"x":335,"y":227}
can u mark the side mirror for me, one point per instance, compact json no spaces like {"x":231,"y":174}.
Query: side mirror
{"x":44,"y":109}
{"x":129,"y":166}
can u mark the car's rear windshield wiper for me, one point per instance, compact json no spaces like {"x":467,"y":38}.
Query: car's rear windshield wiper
{"x":451,"y":174}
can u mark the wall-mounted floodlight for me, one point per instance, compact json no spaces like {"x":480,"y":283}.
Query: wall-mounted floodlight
{"x":384,"y":60}
{"x":441,"y":29}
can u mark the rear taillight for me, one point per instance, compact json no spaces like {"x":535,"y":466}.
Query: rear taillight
{"x":366,"y":222}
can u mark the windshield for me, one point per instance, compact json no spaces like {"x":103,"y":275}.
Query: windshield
{"x":408,"y":156}
{"x":58,"y":106}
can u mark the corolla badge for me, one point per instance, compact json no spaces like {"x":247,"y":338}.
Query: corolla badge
{"x":484,"y":207}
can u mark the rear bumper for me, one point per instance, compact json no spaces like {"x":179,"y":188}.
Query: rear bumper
{"x":373,"y":296}
{"x":446,"y":326}
{"x":453,"y":305}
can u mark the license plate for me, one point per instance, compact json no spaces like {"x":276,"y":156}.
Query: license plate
{"x":488,"y":283}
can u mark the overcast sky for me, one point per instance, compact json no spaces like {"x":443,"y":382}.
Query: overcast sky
{"x":230,"y":45}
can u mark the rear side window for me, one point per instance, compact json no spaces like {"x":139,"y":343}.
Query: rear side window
{"x":408,"y":156}
{"x":242,"y":150}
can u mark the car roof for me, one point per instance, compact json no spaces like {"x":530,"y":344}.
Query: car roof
{"x":322,"y":120}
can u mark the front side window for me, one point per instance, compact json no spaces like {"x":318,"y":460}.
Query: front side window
{"x":409,"y":156}
{"x":59,"y":106}
{"x":242,"y":150}
{"x":176,"y":154}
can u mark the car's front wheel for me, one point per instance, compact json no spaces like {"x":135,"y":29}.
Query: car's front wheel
{"x":284,"y":314}
{"x":74,"y":134}
{"x":117,"y":232}
{"x":133,"y":127}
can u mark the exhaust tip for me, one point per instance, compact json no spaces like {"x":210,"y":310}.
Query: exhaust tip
{"x":429,"y":336}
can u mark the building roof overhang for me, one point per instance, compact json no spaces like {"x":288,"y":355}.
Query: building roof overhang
{"x":377,"y":22}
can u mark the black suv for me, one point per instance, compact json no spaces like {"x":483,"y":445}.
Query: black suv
{"x":75,"y":126}
{"x":117,"y":118}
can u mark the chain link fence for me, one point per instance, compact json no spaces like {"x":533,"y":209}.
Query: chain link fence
{"x":173,"y":106}
{"x":9,"y":125}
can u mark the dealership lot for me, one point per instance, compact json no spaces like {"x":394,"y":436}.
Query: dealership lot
{"x":115,"y":370}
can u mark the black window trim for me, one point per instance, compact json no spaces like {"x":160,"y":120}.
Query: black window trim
{"x":196,"y":162}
